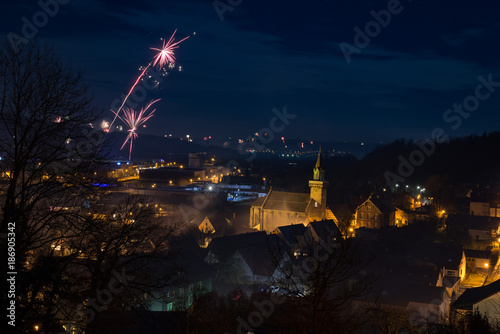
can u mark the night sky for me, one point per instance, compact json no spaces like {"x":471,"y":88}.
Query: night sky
{"x":267,"y":54}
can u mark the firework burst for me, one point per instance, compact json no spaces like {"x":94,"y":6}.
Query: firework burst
{"x":134,"y":120}
{"x":166,"y":53}
{"x":164,"y":57}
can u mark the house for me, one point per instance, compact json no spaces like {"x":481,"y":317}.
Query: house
{"x":477,"y":259}
{"x":206,"y":226}
{"x":292,"y":235}
{"x":475,"y":228}
{"x":484,"y":204}
{"x":403,"y":200}
{"x":285,"y":208}
{"x":374,"y":213}
{"x":485,"y":299}
{"x":220,"y":249}
{"x":411,"y":287}
{"x":258,"y":266}
{"x":247,"y":259}
{"x":480,"y":208}
{"x":423,"y":212}
{"x":422,"y":279}
{"x":214,"y":227}
{"x":426,"y":304}
{"x":325,"y":230}
{"x":194,"y":278}
{"x":430,"y":304}
{"x":449,"y":258}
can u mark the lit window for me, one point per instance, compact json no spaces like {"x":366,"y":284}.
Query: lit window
{"x":369,"y":207}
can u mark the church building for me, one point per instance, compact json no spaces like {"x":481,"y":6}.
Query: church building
{"x":280,"y":208}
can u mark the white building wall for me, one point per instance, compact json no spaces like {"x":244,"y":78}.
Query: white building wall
{"x":490,"y":306}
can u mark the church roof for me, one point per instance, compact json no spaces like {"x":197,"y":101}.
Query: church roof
{"x":259,"y":201}
{"x":284,"y":201}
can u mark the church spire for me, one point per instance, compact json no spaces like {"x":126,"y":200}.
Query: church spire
{"x":318,"y":172}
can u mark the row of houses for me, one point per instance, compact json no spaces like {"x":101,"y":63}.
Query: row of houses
{"x":428,"y":280}
{"x":247,"y":262}
{"x":425,"y":279}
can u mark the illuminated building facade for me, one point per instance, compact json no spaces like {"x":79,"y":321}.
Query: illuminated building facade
{"x":284,"y":208}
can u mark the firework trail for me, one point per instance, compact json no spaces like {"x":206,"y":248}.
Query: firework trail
{"x":134,"y":120}
{"x":165,"y":56}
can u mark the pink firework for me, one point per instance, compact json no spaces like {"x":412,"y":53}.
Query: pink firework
{"x":134,"y":120}
{"x":165,"y":56}
{"x":58,"y":119}
{"x":166,"y":53}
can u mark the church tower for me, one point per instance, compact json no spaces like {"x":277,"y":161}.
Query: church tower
{"x":318,"y":187}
